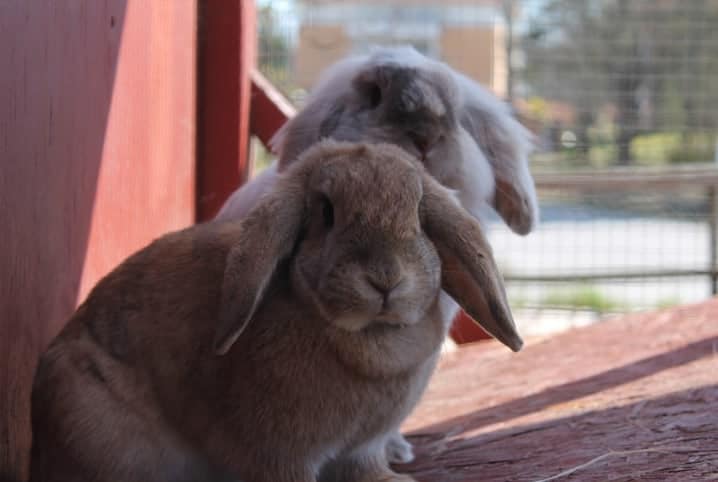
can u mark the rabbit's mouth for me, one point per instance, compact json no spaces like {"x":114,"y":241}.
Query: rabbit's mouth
{"x":389,"y":320}
{"x":379,"y":326}
{"x":364,"y":322}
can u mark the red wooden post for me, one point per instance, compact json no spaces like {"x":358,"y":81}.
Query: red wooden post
{"x":227,"y":53}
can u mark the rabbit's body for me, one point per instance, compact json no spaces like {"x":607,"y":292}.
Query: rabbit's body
{"x":284,"y":348}
{"x":119,"y":361}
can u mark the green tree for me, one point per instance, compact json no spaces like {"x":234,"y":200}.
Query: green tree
{"x":654,"y":61}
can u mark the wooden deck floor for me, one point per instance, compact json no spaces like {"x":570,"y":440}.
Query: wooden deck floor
{"x":633,"y":398}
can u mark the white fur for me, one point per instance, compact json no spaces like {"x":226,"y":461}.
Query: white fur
{"x":465,"y":160}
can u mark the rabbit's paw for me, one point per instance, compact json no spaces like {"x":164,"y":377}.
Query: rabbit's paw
{"x":399,"y":450}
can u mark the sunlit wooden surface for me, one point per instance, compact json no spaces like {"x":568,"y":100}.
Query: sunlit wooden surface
{"x":633,"y":398}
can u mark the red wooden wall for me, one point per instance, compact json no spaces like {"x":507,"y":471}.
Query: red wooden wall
{"x":97,"y":157}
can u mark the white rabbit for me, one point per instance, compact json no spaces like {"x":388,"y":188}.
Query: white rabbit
{"x":466,"y":135}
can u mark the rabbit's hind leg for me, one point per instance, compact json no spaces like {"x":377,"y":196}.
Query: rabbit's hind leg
{"x":84,"y":429}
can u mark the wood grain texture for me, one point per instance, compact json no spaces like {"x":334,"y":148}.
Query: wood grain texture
{"x":97,"y":158}
{"x":634,"y":398}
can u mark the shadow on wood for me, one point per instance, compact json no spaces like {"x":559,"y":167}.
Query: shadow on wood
{"x":567,"y":392}
{"x":643,"y":385}
{"x":667,"y":438}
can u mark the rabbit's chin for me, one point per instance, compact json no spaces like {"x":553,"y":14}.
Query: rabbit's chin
{"x":352,"y":322}
{"x":375,"y":321}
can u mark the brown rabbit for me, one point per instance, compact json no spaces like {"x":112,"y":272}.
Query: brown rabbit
{"x":467,"y":139}
{"x":285,"y":347}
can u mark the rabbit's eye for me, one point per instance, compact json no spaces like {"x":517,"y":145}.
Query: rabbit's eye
{"x":421,"y":142}
{"x":327,"y":212}
{"x":374,"y":94}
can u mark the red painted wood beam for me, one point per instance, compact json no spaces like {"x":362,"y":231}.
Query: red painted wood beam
{"x":270,"y":109}
{"x":226,"y":57}
{"x":465,"y":330}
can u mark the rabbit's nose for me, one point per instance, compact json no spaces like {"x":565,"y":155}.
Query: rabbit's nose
{"x":384,"y":285}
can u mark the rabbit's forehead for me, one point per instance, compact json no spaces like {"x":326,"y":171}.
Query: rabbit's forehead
{"x":414,"y":90}
{"x":382,"y":191}
{"x":420,"y":94}
{"x":413,"y":70}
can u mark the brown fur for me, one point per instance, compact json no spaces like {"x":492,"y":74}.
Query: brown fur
{"x":267,"y":350}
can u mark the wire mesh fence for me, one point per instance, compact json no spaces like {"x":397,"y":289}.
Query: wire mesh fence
{"x":605,"y":249}
{"x":602,"y":84}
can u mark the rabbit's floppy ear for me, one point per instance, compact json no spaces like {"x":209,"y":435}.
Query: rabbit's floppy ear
{"x":468,"y":271}
{"x":506,"y":144}
{"x":266,"y":237}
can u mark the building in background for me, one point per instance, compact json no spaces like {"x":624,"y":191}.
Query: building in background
{"x":468,"y":34}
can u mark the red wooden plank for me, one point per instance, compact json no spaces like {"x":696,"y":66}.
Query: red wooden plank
{"x":227,"y":47}
{"x":270,"y":109}
{"x":97,"y":145}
